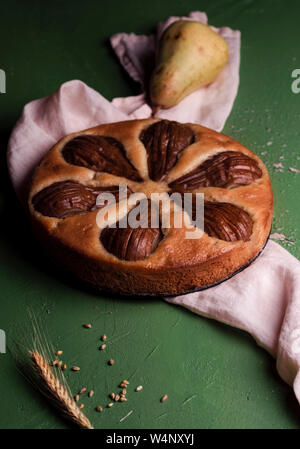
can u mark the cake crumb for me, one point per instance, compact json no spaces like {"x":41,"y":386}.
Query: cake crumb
{"x":294,"y":170}
{"x":279,"y":165}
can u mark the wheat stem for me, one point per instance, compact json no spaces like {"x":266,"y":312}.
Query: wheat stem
{"x":58,"y":392}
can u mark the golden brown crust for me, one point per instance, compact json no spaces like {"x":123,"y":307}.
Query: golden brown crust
{"x":177,"y":264}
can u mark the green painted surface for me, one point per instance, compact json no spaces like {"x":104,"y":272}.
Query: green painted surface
{"x":232,"y":382}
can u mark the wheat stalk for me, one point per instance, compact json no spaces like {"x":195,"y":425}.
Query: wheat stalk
{"x":58,"y":393}
{"x":33,"y":354}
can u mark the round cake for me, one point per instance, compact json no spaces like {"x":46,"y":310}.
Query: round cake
{"x":99,"y":241}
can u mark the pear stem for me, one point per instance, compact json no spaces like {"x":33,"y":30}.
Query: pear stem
{"x":155,"y":109}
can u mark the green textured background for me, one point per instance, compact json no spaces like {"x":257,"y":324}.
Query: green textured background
{"x":232,"y":382}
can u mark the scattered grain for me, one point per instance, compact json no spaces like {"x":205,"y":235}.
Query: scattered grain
{"x":87,"y":326}
{"x":99,"y":408}
{"x":164,"y":398}
{"x":75,"y":368}
{"x":91,"y":393}
{"x":111,"y":361}
{"x":139,"y":388}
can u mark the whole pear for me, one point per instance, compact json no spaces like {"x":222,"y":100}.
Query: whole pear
{"x":190,"y":56}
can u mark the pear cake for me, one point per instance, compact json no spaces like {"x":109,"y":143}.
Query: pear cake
{"x":151,"y":156}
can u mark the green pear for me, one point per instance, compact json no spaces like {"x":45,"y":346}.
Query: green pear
{"x":190,"y":56}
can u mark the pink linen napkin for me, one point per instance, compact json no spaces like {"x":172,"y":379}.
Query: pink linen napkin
{"x":264,"y":299}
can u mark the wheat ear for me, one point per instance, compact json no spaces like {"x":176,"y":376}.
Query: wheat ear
{"x":57,"y":392}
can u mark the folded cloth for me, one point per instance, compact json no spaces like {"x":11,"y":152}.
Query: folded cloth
{"x":264,"y":299}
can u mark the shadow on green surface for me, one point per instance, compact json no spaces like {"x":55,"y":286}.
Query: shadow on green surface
{"x":148,"y":64}
{"x":134,"y":86}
